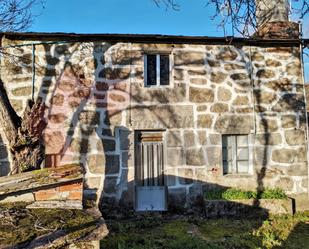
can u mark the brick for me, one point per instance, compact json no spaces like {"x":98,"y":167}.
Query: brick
{"x":75,"y":195}
{"x":71,"y":187}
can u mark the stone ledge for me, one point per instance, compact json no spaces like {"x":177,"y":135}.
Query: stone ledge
{"x":60,"y":187}
{"x":40,"y":179}
{"x":75,"y":204}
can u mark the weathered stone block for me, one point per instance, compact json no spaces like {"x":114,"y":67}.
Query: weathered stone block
{"x":189,"y":138}
{"x":197,"y":72}
{"x":173,"y":138}
{"x":195,"y":156}
{"x":224,"y":94}
{"x":265,"y":74}
{"x":166,"y":116}
{"x":227,"y":54}
{"x":290,"y":102}
{"x":289,"y":155}
{"x":267,"y":125}
{"x":241,"y":100}
{"x":202,"y":108}
{"x":199,"y":81}
{"x":288,"y":121}
{"x":264,"y":97}
{"x":22,"y":91}
{"x":189,"y":58}
{"x":217,"y":77}
{"x":273,"y":63}
{"x":204,"y":121}
{"x":295,"y":137}
{"x":176,"y":198}
{"x":89,"y":117}
{"x":185,"y":176}
{"x":219,"y":108}
{"x":214,"y":156}
{"x":175,"y":156}
{"x":294,"y":69}
{"x":234,"y":124}
{"x":115,"y":73}
{"x":232,"y":67}
{"x":269,"y":138}
{"x":282,"y":84}
{"x":201,"y":95}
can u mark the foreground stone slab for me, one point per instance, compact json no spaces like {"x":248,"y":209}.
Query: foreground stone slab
{"x":47,"y":188}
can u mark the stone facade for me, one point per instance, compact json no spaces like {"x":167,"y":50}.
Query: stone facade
{"x":96,"y":99}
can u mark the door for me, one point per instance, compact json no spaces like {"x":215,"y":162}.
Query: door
{"x":150,"y":191}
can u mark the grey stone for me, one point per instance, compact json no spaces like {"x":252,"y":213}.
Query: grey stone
{"x":295,"y":137}
{"x":204,"y":121}
{"x":195,"y":156}
{"x":174,"y":139}
{"x":201,"y":95}
{"x":175,"y":156}
{"x":227,"y":54}
{"x":162,"y":117}
{"x":185,"y":176}
{"x":218,"y":77}
{"x":285,"y":155}
{"x":177,"y":198}
{"x":265,"y":74}
{"x":189,"y":138}
{"x":241,"y":100}
{"x":267,"y":125}
{"x":124,"y":139}
{"x":288,"y":121}
{"x":219,"y":108}
{"x":224,"y":94}
{"x":269,"y":138}
{"x":290,"y":102}
{"x":214,"y":156}
{"x":232,"y":124}
{"x":215,"y":139}
{"x":285,"y":183}
{"x":188,"y":58}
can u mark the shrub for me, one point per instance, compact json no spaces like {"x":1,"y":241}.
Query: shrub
{"x":237,"y":194}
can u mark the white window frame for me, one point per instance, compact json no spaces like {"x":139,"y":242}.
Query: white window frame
{"x":158,"y":70}
{"x":234,"y":154}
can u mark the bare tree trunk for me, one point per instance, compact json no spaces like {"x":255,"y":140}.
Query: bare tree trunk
{"x":24,"y":135}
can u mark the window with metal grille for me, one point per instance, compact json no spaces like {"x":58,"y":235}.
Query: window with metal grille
{"x":149,"y":158}
{"x":235,"y":151}
{"x":157,"y":69}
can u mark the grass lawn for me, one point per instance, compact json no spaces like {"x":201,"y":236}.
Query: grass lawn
{"x":285,"y":231}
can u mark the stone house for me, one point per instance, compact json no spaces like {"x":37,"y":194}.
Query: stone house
{"x":156,"y":120}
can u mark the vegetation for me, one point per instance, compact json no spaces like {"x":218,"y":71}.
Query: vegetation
{"x":20,"y":225}
{"x":238,"y":194}
{"x":285,"y":231}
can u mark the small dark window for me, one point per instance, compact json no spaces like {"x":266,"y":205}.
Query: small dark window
{"x":157,"y":70}
{"x":235,"y":151}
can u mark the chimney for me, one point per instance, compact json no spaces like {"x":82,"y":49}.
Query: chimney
{"x":272,"y":19}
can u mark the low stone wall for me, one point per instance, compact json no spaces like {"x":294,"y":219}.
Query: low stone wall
{"x":47,"y":188}
{"x":252,"y":207}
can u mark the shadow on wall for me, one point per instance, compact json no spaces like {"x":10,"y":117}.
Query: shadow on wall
{"x":84,"y":125}
{"x":4,"y":164}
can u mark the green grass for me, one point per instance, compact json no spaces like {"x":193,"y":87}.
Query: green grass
{"x":285,"y":231}
{"x":238,"y":194}
{"x":21,"y":225}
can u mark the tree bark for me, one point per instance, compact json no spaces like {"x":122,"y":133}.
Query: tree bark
{"x":24,"y":135}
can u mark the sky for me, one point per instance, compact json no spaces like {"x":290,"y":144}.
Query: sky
{"x":126,"y":16}
{"x":133,"y":17}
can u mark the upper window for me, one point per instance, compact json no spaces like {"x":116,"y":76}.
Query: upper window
{"x":235,"y":152}
{"x":157,"y":69}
